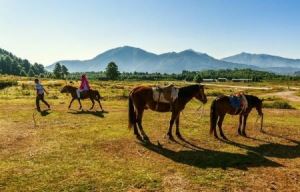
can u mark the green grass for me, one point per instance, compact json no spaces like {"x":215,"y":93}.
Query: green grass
{"x":69,"y":150}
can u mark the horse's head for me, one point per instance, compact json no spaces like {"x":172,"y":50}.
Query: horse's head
{"x":259,"y":106}
{"x":65,"y":89}
{"x":200,"y":95}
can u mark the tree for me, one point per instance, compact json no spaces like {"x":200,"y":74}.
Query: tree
{"x":31,"y":73}
{"x":64,"y":70}
{"x":57,"y":71}
{"x":23,"y":73}
{"x":112,"y":71}
{"x":198,"y":78}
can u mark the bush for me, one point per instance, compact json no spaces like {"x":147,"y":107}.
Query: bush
{"x":7,"y":83}
{"x":278,"y":105}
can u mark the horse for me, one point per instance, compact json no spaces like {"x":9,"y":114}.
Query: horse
{"x":141,"y":98}
{"x":91,"y":94}
{"x":221,"y":105}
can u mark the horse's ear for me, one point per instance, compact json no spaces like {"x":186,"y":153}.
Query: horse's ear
{"x":262,"y":100}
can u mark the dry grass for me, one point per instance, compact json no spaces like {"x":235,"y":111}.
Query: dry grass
{"x":69,"y":150}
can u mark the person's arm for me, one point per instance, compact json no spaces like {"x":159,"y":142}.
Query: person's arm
{"x":45,"y":90}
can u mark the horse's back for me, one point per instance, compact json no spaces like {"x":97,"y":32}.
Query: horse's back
{"x":141,"y":89}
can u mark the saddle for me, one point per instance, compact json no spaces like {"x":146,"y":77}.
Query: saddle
{"x":166,"y":94}
{"x":84,"y":94}
{"x":239,"y":102}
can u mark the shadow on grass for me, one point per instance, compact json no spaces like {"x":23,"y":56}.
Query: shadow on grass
{"x":95,"y":113}
{"x":44,"y":112}
{"x":273,"y":149}
{"x":207,"y":158}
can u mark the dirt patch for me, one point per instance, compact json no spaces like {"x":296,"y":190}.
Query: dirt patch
{"x":288,"y":95}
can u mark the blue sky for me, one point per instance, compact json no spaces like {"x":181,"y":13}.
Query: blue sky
{"x":45,"y":31}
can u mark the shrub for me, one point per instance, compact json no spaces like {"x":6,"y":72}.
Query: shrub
{"x":7,"y":83}
{"x":278,"y":105}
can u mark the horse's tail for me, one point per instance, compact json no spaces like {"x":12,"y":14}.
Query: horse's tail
{"x":131,"y":112}
{"x":213,"y":117}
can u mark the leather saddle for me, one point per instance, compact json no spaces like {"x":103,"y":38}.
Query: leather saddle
{"x":165,"y":94}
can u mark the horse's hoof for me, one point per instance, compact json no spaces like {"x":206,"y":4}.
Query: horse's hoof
{"x":179,"y":135}
{"x":216,"y":136}
{"x":139,"y":137}
{"x":170,"y":137}
{"x":146,"y":138}
{"x":224,"y":137}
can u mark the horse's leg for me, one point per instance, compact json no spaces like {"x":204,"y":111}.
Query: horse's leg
{"x":214,"y":122}
{"x":177,"y":127}
{"x":80,"y":106}
{"x":100,"y":104}
{"x":240,"y":124}
{"x":139,"y":122}
{"x":244,"y":125}
{"x":173,"y":117}
{"x":220,"y":122}
{"x":93,"y":103}
{"x":71,"y":102}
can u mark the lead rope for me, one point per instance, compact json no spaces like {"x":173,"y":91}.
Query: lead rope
{"x":257,"y":118}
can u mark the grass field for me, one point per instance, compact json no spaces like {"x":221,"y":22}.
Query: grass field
{"x":72,"y":150}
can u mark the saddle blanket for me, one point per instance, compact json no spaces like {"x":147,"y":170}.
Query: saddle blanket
{"x":165,"y":95}
{"x":239,"y":102}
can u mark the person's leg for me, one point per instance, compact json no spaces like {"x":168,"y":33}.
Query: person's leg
{"x":78,"y":93}
{"x":37,"y":102}
{"x":43,"y":100}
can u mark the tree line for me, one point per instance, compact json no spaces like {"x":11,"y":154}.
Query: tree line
{"x":111,"y":73}
{"x":12,"y":65}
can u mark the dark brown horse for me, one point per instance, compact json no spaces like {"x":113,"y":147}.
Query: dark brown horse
{"x":221,"y":105}
{"x":141,"y":98}
{"x":91,"y":94}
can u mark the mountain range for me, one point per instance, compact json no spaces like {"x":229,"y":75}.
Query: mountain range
{"x":266,"y":62}
{"x":130,"y":59}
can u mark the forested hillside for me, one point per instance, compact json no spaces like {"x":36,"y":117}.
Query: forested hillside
{"x":12,"y":65}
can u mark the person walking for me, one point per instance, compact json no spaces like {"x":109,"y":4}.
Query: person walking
{"x":40,"y":95}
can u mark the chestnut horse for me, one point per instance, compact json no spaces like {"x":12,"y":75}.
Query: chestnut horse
{"x":221,"y":105}
{"x":91,"y":94}
{"x":141,"y":98}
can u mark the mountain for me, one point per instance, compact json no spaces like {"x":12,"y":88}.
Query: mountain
{"x":268,"y":62}
{"x":131,"y":59}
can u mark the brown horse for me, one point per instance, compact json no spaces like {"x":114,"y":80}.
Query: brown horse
{"x":91,"y":94}
{"x":141,"y":98}
{"x":221,"y":105}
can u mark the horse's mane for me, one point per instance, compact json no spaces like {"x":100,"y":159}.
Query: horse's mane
{"x":252,"y":100}
{"x":188,"y":90}
{"x":70,"y":87}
